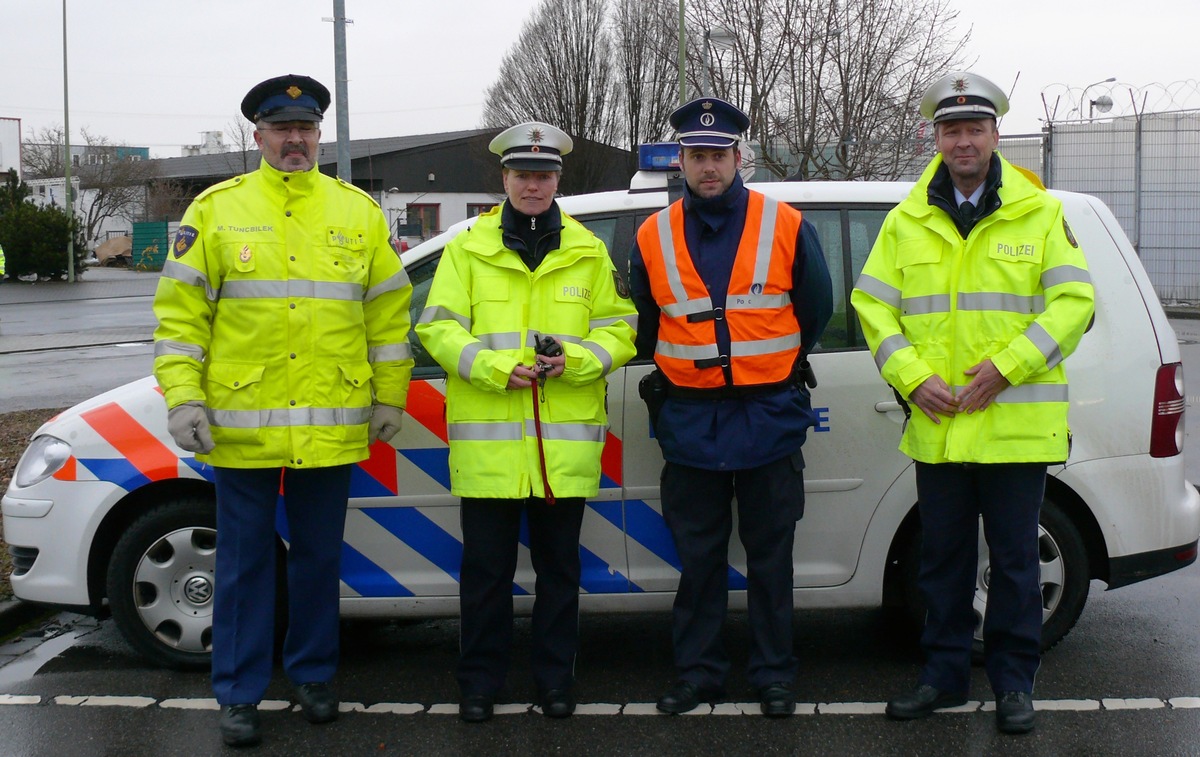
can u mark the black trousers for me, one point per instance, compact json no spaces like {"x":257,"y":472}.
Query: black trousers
{"x":696,"y":504}
{"x":491,"y":530}
{"x":953,"y":497}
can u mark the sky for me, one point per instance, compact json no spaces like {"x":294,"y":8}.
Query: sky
{"x":157,"y":73}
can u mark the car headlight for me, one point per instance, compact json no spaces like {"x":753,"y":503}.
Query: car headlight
{"x":44,"y":457}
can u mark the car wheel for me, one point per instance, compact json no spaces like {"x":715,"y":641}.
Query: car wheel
{"x":160,"y":583}
{"x":1064,"y":577}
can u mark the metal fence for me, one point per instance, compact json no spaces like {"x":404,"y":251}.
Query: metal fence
{"x":1146,"y":168}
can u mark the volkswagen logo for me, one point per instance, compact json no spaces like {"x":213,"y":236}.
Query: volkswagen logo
{"x":198,"y":590}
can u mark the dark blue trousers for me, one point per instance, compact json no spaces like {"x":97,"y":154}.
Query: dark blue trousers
{"x":491,"y":530}
{"x":244,"y":595}
{"x":952,"y":499}
{"x":696,"y":505}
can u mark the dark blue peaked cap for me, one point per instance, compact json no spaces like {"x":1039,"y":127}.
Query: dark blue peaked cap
{"x":709,"y":122}
{"x":286,"y":98}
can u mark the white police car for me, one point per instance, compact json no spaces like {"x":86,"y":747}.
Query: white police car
{"x":105,"y":512}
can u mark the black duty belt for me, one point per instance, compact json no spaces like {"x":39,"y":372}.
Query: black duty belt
{"x":728,"y":392}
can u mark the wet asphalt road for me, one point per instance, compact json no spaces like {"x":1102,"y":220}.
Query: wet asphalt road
{"x":1125,"y":681}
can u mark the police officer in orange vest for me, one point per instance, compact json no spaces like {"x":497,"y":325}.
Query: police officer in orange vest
{"x":732,"y":292}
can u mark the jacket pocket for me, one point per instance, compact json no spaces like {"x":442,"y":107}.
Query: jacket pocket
{"x":232,"y":391}
{"x":910,"y":252}
{"x":356,"y":393}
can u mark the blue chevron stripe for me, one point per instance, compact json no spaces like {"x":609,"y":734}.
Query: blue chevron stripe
{"x":430,"y":540}
{"x":367,"y":578}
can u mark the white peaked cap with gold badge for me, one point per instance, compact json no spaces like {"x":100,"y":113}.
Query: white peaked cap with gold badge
{"x":963,"y":95}
{"x":532,"y":146}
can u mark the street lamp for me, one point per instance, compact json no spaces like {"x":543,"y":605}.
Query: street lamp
{"x":1083,"y":95}
{"x":713,"y":36}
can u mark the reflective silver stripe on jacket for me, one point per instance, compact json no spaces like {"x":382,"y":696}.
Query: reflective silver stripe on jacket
{"x":599,"y":323}
{"x":688,"y":307}
{"x":486,"y":432}
{"x":500,"y":340}
{"x":751,"y":347}
{"x":601,"y":354}
{"x":1064,"y":274}
{"x":757,"y":301}
{"x":1028,"y":393}
{"x":1001,"y":301}
{"x":567,"y":432}
{"x":189,"y":276}
{"x":513,"y":431}
{"x":290,"y":417}
{"x":396,"y":281}
{"x":433,"y":313}
{"x":927,"y":305}
{"x":319,"y":290}
{"x":687,"y":351}
{"x":889,"y":347}
{"x":1045,"y":343}
{"x":466,"y":359}
{"x":171,"y":347}
{"x":386,"y":353}
{"x":880,"y":290}
{"x":766,"y":242}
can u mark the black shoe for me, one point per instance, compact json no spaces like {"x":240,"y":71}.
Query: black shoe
{"x":1014,"y":712}
{"x":921,"y":702}
{"x":318,"y":702}
{"x":557,"y":703}
{"x":685,"y":696}
{"x":777,"y":700}
{"x":476,"y":708}
{"x":239,"y":725}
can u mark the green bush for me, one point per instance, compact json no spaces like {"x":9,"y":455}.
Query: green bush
{"x":35,"y":240}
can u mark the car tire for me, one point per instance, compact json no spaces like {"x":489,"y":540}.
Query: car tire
{"x":160,"y":583}
{"x":1064,"y":578}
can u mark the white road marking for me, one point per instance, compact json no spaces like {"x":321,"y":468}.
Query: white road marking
{"x":828,"y":709}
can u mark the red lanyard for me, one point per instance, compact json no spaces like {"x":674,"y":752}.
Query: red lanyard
{"x":537,"y":424}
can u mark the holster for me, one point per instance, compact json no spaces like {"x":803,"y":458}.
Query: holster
{"x":653,"y":390}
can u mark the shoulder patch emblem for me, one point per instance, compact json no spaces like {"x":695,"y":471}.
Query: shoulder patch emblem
{"x":184,"y":239}
{"x":621,"y":286}
{"x":1070,"y":236}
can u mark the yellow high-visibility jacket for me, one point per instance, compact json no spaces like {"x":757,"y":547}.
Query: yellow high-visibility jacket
{"x":1016,"y":290}
{"x":484,"y":309}
{"x":284,"y":308}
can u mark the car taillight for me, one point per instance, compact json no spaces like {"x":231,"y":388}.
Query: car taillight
{"x":1166,"y":428}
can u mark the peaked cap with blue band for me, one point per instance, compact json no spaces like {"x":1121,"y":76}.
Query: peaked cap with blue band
{"x":286,"y":98}
{"x":709,"y":122}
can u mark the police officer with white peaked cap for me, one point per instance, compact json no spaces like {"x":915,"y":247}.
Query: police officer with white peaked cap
{"x":732,"y":292}
{"x":528,"y":315}
{"x":1007,"y":296}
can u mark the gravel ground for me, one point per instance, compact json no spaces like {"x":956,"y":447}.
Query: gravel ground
{"x":15,"y":430}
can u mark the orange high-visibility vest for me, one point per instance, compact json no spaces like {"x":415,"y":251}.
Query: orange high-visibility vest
{"x":763,"y":330}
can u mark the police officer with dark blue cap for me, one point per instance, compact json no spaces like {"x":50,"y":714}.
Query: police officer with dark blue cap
{"x":732,"y":293}
{"x":237,"y":297}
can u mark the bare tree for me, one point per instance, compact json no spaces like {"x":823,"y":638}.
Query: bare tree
{"x":645,"y":36}
{"x":561,"y":71}
{"x":112,"y":179}
{"x":244,"y":156}
{"x":167,"y":198}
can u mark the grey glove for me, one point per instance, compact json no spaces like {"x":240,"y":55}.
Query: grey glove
{"x":188,"y":426}
{"x":385,"y":423}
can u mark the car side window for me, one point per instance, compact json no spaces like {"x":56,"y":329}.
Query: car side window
{"x":421,"y":275}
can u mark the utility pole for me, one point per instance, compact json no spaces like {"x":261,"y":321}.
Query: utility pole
{"x":67,"y":157}
{"x":682,"y":56}
{"x":339,"y":87}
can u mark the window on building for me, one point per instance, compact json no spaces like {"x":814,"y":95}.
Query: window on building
{"x":478,"y":209}
{"x":428,"y":216}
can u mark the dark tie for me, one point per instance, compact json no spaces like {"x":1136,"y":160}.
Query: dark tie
{"x":966,"y":211}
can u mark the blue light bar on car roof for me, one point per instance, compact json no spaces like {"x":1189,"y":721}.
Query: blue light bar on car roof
{"x":658,"y":156}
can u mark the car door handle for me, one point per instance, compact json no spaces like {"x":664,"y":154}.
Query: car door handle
{"x":887,"y":406}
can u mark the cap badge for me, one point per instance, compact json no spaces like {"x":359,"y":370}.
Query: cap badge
{"x":535,"y":148}
{"x":294,"y":91}
{"x":536,"y":135}
{"x":960,"y":84}
{"x":707,"y":105}
{"x":960,"y":99}
{"x":707,"y":119}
